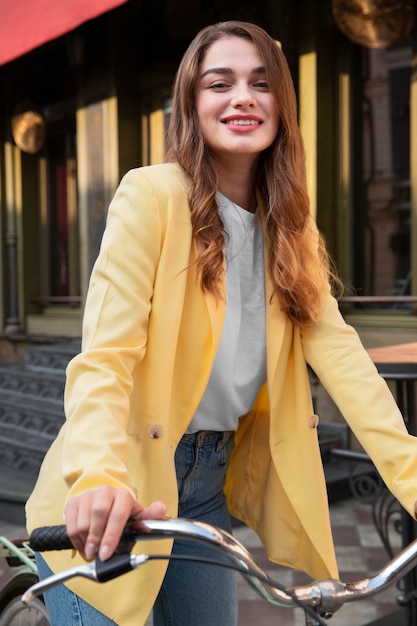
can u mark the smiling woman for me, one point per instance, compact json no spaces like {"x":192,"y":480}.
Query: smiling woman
{"x":191,"y":396}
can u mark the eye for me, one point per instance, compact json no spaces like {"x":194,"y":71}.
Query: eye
{"x":219,"y":85}
{"x":262,"y":85}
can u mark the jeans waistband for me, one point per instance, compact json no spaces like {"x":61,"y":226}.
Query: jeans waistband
{"x":207,"y":436}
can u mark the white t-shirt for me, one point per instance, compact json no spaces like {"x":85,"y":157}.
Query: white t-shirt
{"x":239,"y":369}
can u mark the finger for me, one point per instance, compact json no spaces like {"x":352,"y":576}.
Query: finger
{"x":76,"y":532}
{"x":122,"y":506}
{"x":86,"y":518}
{"x":104,"y":513}
{"x":156,"y":510}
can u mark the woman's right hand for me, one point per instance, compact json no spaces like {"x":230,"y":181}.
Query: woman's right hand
{"x":96,"y":519}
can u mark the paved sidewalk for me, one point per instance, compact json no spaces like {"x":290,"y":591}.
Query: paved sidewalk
{"x":359,"y":553}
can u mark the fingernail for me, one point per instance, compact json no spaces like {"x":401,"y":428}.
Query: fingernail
{"x":90,"y":550}
{"x":104,"y":552}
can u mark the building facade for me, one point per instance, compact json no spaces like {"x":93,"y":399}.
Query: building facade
{"x":82,"y":107}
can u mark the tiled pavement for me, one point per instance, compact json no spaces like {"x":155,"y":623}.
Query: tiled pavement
{"x":359,"y":552}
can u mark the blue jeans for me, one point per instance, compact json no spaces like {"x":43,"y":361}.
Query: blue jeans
{"x":192,"y":593}
{"x":65,"y":608}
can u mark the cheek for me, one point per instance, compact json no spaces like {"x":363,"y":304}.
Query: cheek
{"x":208,"y":106}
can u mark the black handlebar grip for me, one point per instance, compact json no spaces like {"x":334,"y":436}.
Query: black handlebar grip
{"x":50,"y":538}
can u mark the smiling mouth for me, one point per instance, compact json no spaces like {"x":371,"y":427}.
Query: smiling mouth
{"x":243,"y":122}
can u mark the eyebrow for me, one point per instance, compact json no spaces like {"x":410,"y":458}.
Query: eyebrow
{"x":228,"y":70}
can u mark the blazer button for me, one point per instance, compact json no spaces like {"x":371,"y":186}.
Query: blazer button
{"x":314,"y":421}
{"x":155,"y":431}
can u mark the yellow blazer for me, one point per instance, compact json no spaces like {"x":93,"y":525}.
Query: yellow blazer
{"x":149,"y":340}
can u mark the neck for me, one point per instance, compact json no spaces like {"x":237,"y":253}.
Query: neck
{"x":238,"y":184}
{"x":246,"y":200}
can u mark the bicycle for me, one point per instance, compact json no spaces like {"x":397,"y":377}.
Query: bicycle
{"x":319,"y":599}
{"x":18,"y":572}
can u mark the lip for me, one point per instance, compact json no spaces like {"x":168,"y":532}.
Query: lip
{"x":242,"y":123}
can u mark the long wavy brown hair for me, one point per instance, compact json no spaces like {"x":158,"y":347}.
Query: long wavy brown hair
{"x":297,"y":259}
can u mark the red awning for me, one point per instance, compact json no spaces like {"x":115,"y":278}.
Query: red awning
{"x":27,"y":24}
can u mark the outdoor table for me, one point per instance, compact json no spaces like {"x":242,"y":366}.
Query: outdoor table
{"x":398,"y":363}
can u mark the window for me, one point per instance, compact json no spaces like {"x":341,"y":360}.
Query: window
{"x":60,"y":233}
{"x":382,"y":265}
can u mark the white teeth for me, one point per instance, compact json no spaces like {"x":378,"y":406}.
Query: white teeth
{"x":243,"y":122}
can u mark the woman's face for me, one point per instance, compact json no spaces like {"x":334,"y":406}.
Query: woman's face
{"x":237,"y":113}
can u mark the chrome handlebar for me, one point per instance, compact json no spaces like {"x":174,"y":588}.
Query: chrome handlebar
{"x":325,"y":596}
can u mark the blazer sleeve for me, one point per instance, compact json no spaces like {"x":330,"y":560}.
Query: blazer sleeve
{"x":336,"y":354}
{"x":118,"y":305}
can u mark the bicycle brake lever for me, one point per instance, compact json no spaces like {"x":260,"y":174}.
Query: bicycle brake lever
{"x":86,"y":571}
{"x":97,"y":571}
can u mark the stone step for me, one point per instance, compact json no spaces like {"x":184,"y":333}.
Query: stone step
{"x":51,"y":357}
{"x":27,"y":429}
{"x":31,"y":414}
{"x":25,"y":453}
{"x":16,"y":485}
{"x":16,"y":380}
{"x":20,"y":461}
{"x":43,"y":419}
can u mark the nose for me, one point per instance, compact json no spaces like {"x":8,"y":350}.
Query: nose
{"x":243,"y":97}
